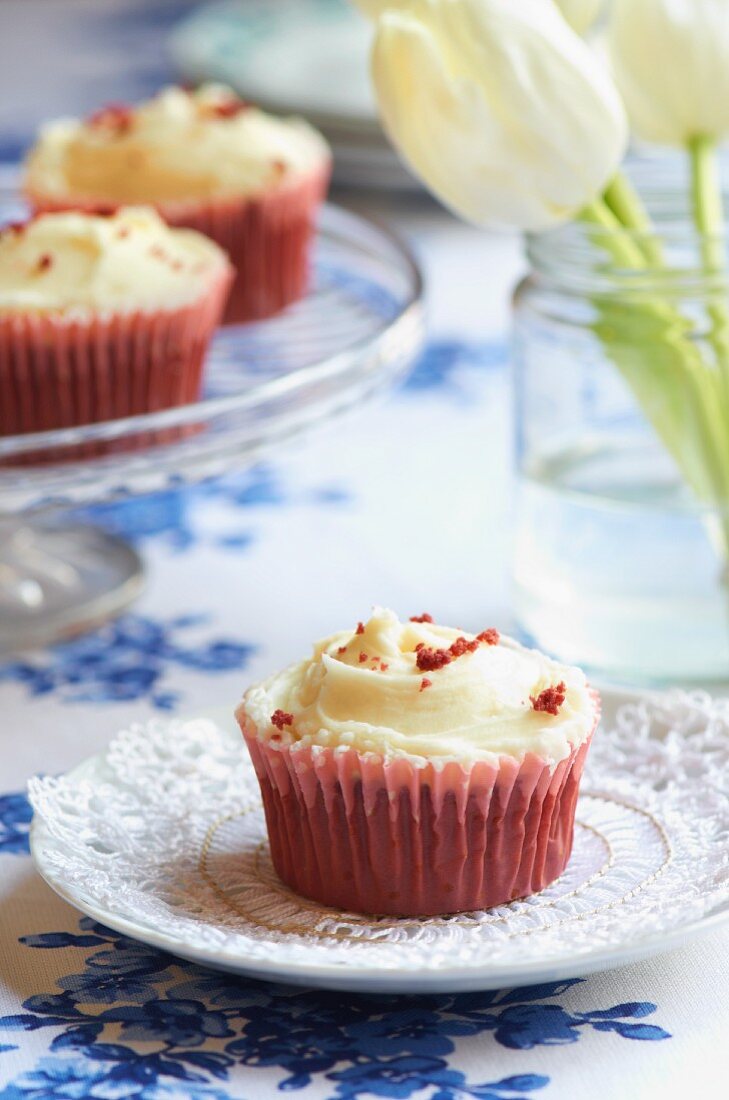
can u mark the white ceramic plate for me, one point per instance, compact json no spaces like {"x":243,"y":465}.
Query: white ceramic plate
{"x":162,"y":838}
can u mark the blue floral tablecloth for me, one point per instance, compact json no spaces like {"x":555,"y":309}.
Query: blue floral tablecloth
{"x":242,"y":575}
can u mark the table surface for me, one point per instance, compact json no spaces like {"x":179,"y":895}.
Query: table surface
{"x":404,"y":503}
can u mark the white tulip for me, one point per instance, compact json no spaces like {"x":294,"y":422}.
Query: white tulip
{"x":580,"y":14}
{"x":373,"y":8}
{"x":671,"y":62}
{"x":499,"y":107}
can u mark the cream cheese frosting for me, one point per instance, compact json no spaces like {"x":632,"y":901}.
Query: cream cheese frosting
{"x":375,"y":689}
{"x":181,"y":145}
{"x":120,"y":263}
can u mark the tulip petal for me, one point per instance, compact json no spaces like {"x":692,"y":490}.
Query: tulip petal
{"x":502,"y":111}
{"x":580,"y":14}
{"x":671,"y":61}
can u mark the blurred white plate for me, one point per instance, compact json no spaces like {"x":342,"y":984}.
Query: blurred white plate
{"x":163,"y":838}
{"x":307,"y":57}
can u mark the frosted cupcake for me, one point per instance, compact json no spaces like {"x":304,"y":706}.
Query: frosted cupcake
{"x":413,"y":770}
{"x":103,"y":317}
{"x":205,"y":160}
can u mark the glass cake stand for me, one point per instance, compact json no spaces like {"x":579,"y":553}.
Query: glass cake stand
{"x":354,"y":334}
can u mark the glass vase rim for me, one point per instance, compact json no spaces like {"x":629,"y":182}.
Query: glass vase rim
{"x":673,"y":251}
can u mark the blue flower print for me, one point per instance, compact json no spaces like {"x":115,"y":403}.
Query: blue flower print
{"x":80,"y":1079}
{"x":15,"y":818}
{"x":444,"y":363}
{"x":164,"y":1026}
{"x":401,"y":1078}
{"x":125,"y":661}
{"x":179,"y":1023}
{"x":413,"y":1031}
{"x":174,"y":517}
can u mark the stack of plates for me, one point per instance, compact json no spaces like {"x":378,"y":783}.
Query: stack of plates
{"x":307,"y":57}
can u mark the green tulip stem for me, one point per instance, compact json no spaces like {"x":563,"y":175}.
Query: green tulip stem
{"x":627,"y":206}
{"x":653,"y":345}
{"x":708,"y":211}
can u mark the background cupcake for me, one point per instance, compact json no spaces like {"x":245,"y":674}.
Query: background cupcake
{"x":413,"y":770}
{"x":205,"y":160}
{"x":103,"y":317}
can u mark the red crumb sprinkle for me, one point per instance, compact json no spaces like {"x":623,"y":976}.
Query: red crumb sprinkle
{"x":280,"y":718}
{"x":158,"y":252}
{"x":15,"y":227}
{"x":117,"y":117}
{"x":342,"y":649}
{"x":424,"y":683}
{"x":383,"y":666}
{"x":424,"y":618}
{"x":45,"y":261}
{"x":362,"y":658}
{"x":462,"y":645}
{"x":229,"y":108}
{"x":123,"y":232}
{"x":429,"y":660}
{"x":360,"y":628}
{"x":550,"y":700}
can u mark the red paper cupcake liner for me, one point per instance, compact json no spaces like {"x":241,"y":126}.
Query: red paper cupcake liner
{"x":390,"y":838}
{"x":61,"y":371}
{"x":267,"y":237}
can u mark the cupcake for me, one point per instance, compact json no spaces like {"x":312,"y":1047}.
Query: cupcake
{"x":411,"y":769}
{"x":205,"y":160}
{"x":103,"y":317}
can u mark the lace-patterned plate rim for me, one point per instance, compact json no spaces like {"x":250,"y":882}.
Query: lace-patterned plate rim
{"x":270,"y":960}
{"x":467,"y":979}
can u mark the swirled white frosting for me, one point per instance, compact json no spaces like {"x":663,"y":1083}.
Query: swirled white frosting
{"x":364,"y":689}
{"x":122,"y":263}
{"x":177,"y":146}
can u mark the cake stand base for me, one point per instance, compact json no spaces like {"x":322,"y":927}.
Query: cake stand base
{"x":57,"y":581}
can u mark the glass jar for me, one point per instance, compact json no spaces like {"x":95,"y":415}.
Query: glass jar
{"x":622,"y":406}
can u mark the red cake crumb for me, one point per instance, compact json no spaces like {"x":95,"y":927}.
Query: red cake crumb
{"x":280,"y":718}
{"x":424,"y":618}
{"x":550,"y":700}
{"x":360,"y":628}
{"x":342,"y":649}
{"x":362,"y":658}
{"x":424,"y":683}
{"x":462,"y":645}
{"x":383,"y":666}
{"x":429,"y":660}
{"x":45,"y":262}
{"x":229,"y":108}
{"x":115,"y":116}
